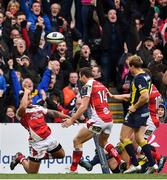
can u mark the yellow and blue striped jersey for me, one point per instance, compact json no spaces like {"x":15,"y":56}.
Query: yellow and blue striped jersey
{"x":140,"y":84}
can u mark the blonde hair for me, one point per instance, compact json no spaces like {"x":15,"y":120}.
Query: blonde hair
{"x":13,"y":2}
{"x":135,"y":61}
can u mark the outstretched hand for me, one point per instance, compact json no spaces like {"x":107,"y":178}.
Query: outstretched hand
{"x":109,"y":94}
{"x":67,"y":123}
{"x":62,"y":115}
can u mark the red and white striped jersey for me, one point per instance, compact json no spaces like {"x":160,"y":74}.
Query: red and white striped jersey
{"x":154,"y":101}
{"x":34,"y":121}
{"x":99,"y":107}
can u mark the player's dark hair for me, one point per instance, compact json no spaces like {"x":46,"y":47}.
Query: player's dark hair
{"x":19,"y":13}
{"x":87,"y":71}
{"x":35,"y":1}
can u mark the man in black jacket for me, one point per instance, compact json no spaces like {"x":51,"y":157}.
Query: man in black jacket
{"x":113,"y":38}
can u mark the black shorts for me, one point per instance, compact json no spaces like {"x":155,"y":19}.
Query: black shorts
{"x":136,"y":120}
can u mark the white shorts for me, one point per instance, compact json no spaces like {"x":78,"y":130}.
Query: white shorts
{"x":39,"y":149}
{"x":98,"y":126}
{"x":150,"y":128}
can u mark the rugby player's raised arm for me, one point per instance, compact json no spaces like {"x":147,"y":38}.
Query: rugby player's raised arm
{"x":24,"y":103}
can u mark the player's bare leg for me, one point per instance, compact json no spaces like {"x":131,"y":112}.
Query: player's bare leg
{"x":146,"y":148}
{"x":125,"y":138}
{"x":83,"y":136}
{"x":56,"y":153}
{"x":103,"y":142}
{"x":30,"y":166}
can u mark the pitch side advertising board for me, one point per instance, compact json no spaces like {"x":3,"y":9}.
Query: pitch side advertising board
{"x":161,"y":139}
{"x":14,"y":138}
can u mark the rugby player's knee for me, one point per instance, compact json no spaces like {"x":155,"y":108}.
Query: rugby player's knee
{"x":62,"y":154}
{"x":125,"y":141}
{"x":140,"y":139}
{"x":102,"y":143}
{"x":142,"y":143}
{"x":76,"y":141}
{"x":59,"y":154}
{"x":122,"y":137}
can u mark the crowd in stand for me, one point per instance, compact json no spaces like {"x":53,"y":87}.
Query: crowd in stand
{"x":100,"y":34}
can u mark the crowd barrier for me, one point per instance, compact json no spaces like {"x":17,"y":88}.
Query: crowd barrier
{"x":14,"y":138}
{"x":160,"y":137}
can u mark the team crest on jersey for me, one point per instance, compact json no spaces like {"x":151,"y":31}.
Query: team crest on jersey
{"x":140,"y":87}
{"x":36,"y":115}
{"x":106,"y":111}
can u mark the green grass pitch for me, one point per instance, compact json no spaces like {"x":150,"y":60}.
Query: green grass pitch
{"x":83,"y":176}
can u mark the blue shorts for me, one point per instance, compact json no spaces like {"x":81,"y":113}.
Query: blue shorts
{"x":136,"y":120}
